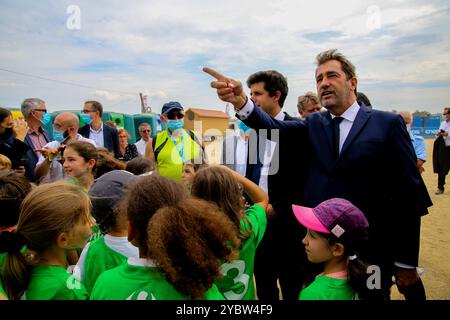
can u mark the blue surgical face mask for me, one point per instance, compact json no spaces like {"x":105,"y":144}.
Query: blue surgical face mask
{"x":58,"y":135}
{"x":86,"y":118}
{"x":175,"y":125}
{"x":46,"y":119}
{"x":243,"y":127}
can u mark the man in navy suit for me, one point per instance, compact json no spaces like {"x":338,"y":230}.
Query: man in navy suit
{"x":359,"y":154}
{"x":103,"y":135}
{"x":279,"y":256}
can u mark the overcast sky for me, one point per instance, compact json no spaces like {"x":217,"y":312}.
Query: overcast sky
{"x":113,"y":50}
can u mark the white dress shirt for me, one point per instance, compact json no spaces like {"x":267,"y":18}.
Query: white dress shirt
{"x":346,"y":124}
{"x":97,"y":136}
{"x":141,"y":145}
{"x":268,"y":155}
{"x":241,"y":154}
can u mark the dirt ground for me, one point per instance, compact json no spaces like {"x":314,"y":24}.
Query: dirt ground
{"x":435,"y":237}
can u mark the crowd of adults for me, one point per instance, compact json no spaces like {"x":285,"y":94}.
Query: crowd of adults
{"x":340,"y":147}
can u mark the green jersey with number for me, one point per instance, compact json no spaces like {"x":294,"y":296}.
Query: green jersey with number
{"x":139,"y":279}
{"x":99,"y":256}
{"x":237,"y":281}
{"x":54,"y":283}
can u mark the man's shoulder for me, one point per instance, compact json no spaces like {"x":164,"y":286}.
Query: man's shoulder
{"x":84,"y":129}
{"x":109,"y":128}
{"x":81,"y":138}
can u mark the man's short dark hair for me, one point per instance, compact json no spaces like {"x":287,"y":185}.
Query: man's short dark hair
{"x":361,"y":97}
{"x":97,"y":106}
{"x":273,"y":82}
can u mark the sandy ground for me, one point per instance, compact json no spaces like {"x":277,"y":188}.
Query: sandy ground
{"x":435,"y":238}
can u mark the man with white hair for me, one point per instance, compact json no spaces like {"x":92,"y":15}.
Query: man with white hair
{"x":36,"y":116}
{"x":65,"y":130}
{"x":146,"y":136}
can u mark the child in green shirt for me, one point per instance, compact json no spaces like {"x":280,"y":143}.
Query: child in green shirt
{"x":335,"y":231}
{"x":54,"y":220}
{"x":112,"y":249}
{"x":225,"y":187}
{"x":181,"y":242}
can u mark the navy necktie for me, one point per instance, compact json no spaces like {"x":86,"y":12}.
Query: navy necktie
{"x":336,"y":121}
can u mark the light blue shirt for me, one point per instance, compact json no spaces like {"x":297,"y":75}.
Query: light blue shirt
{"x":97,"y":136}
{"x":419,"y":147}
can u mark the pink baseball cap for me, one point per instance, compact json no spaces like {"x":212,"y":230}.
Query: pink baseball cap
{"x":335,"y":216}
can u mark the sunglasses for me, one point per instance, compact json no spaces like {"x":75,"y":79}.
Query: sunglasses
{"x":145,"y":131}
{"x":173,"y":116}
{"x":41,"y":110}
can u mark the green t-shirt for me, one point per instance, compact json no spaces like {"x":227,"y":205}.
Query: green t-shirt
{"x":169,"y":160}
{"x":2,"y":261}
{"x":237,"y":281}
{"x":326,"y":288}
{"x":2,"y":291}
{"x":99,"y":258}
{"x":139,"y":279}
{"x":54,"y":283}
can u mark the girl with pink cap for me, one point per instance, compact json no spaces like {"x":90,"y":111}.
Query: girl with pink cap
{"x":336,"y":230}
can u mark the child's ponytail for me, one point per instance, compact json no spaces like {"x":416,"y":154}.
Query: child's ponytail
{"x":15,"y":273}
{"x":357,"y":279}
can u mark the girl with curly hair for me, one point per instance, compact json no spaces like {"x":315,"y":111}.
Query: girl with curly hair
{"x":182,"y":243}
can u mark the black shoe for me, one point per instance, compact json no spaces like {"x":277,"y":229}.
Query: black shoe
{"x":439,"y":191}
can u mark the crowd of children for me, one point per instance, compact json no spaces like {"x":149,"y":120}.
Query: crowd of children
{"x":105,"y":233}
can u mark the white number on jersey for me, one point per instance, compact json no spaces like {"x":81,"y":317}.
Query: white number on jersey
{"x":241,"y":277}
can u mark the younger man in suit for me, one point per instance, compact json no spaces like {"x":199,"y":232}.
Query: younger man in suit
{"x":103,"y":135}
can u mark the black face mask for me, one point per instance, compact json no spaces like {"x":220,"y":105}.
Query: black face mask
{"x":8,"y":133}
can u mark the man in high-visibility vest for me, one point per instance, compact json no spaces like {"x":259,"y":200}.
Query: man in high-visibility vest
{"x":175,"y":146}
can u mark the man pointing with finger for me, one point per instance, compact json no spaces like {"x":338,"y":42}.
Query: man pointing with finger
{"x":359,"y":154}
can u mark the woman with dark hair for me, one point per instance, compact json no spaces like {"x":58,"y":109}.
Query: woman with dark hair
{"x":12,"y":136}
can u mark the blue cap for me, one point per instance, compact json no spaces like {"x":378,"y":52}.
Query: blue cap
{"x":169,"y":106}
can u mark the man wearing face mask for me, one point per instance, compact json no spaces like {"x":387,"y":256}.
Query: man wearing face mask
{"x":103,"y":135}
{"x":171,"y":148}
{"x":65,"y":130}
{"x":12,"y":135}
{"x":418,"y":142}
{"x":36,"y":116}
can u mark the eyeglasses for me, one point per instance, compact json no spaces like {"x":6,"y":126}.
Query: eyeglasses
{"x":146,"y":131}
{"x":173,"y":116}
{"x":41,"y":110}
{"x":87,"y":111}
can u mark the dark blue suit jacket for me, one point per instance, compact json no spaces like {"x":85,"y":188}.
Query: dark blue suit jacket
{"x":110,"y":138}
{"x":31,"y":158}
{"x":376,"y":170}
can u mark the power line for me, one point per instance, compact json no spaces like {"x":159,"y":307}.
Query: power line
{"x":66,"y":82}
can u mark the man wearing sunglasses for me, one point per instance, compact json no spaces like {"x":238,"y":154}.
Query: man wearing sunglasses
{"x":146,"y":133}
{"x":36,"y":116}
{"x":174,"y":146}
{"x":103,"y":135}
